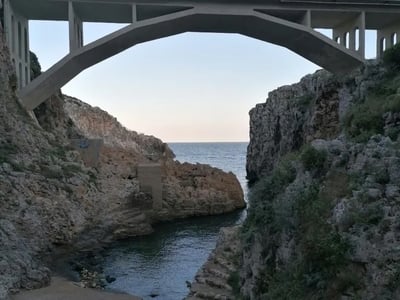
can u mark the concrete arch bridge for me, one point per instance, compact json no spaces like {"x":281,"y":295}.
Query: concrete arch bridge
{"x":288,"y":23}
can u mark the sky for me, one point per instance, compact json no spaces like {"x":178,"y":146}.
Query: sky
{"x":193,"y":87}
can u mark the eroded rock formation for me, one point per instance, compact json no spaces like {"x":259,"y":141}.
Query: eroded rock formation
{"x":50,"y":199}
{"x":294,"y":115}
{"x":324,"y":213}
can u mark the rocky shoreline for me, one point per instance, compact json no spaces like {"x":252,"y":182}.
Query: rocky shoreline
{"x":63,"y":289}
{"x":323,"y":218}
{"x":215,"y":278}
{"x":52,"y":197}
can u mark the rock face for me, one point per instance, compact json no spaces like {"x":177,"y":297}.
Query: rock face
{"x":188,"y":190}
{"x":199,"y":190}
{"x":337,"y":225}
{"x":324,"y":214}
{"x":214,"y":279}
{"x":297,"y":114}
{"x":49,"y":199}
{"x":93,"y":122}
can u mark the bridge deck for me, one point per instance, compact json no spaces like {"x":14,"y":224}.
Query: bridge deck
{"x":288,"y":23}
{"x":325,"y":13}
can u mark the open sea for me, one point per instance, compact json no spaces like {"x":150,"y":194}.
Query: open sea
{"x":157,"y":266}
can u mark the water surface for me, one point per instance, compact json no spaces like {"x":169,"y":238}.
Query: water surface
{"x":159,"y":265}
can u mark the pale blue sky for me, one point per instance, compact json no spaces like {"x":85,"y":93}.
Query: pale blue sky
{"x":190,"y":87}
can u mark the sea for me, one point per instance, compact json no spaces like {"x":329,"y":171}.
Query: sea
{"x":158,"y":266}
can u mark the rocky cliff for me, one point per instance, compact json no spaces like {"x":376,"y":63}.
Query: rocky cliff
{"x":50,"y":199}
{"x":314,"y":108}
{"x":324,"y":212}
{"x":188,"y":190}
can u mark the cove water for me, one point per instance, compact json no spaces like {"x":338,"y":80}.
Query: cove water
{"x":158,"y":266}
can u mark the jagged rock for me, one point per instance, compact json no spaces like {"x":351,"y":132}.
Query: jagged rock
{"x":51,"y":200}
{"x":292,"y":116}
{"x":212,"y":280}
{"x":300,"y":113}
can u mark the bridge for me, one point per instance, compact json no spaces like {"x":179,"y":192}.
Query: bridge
{"x":288,"y":23}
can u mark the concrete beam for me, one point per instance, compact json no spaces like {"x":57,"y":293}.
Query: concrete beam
{"x":387,"y":37}
{"x":300,"y":39}
{"x":134,"y":13}
{"x":306,"y":21}
{"x":17,"y":34}
{"x":351,"y":34}
{"x":75,"y":28}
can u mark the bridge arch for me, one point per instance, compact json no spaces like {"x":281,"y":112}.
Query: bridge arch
{"x":288,"y":23}
{"x":298,"y":38}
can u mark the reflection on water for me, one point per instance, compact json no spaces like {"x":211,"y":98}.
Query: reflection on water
{"x":161,"y":263}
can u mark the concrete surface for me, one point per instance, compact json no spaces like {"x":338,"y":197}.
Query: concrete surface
{"x":288,"y":23}
{"x":149,"y":176}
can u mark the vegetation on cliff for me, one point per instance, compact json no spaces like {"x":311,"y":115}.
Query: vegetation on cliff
{"x":323,"y":220}
{"x":372,"y":113}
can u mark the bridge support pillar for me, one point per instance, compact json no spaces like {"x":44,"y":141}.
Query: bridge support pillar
{"x":351,"y":34}
{"x":134,"y":13}
{"x":75,"y":28}
{"x":306,"y":21}
{"x":16,"y":28}
{"x":387,"y":37}
{"x":150,"y":181}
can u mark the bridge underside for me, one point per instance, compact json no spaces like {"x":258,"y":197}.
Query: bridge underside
{"x":286,"y":23}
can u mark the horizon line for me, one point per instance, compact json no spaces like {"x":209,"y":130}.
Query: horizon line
{"x":205,"y":142}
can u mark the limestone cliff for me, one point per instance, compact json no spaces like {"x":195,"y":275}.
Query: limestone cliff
{"x":324,"y":214}
{"x":46,"y":195}
{"x":188,"y":190}
{"x":93,"y":122}
{"x":294,"y":115}
{"x":50,"y":199}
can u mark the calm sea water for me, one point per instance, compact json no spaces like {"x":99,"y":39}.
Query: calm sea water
{"x":157,"y":266}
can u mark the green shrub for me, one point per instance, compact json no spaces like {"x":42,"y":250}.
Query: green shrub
{"x":285,"y":284}
{"x":393,"y":133}
{"x":365,"y":118}
{"x":36,"y":69}
{"x":17,"y":166}
{"x":51,"y":173}
{"x":369,"y":215}
{"x":382,"y":176}
{"x":394,"y":280}
{"x":6,"y":150}
{"x":323,"y":250}
{"x":59,"y":152}
{"x":71,"y":170}
{"x":234,"y":282}
{"x":305,"y":100}
{"x":312,"y":158}
{"x":391,"y":57}
{"x":263,"y":192}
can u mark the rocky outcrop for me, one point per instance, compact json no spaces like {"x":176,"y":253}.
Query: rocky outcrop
{"x":199,"y":190}
{"x":295,"y":115}
{"x":94,"y":122}
{"x":188,"y":190}
{"x":332,"y":230}
{"x":214,"y":279}
{"x":50,"y":200}
{"x":41,"y":203}
{"x":323,"y":217}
